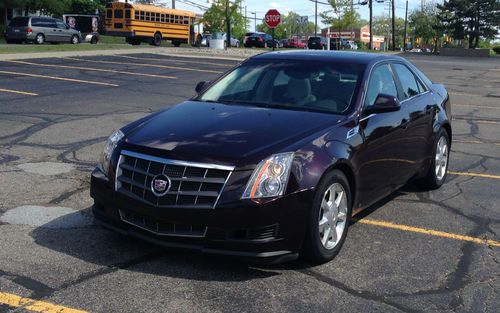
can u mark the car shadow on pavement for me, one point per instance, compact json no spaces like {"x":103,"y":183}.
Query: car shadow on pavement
{"x":97,"y":245}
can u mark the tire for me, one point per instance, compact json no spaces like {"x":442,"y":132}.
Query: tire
{"x":436,"y":175}
{"x":156,"y":40}
{"x":39,"y":39}
{"x":320,"y":247}
{"x":94,"y":40}
{"x":75,"y":40}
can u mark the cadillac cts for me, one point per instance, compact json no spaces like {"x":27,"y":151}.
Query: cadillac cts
{"x":272,"y":159}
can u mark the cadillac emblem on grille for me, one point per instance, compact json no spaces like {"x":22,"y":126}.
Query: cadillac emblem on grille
{"x":160,"y":185}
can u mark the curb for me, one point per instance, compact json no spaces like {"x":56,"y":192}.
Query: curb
{"x":188,"y":53}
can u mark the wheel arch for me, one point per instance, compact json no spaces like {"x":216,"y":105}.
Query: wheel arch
{"x":447,"y":127}
{"x":343,"y":166}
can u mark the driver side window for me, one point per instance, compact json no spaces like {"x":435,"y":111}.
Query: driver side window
{"x":381,"y":81}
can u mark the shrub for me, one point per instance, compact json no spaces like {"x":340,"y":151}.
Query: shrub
{"x":2,"y":28}
{"x":496,"y":49}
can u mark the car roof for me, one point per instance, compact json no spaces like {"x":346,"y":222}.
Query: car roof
{"x":338,"y":56}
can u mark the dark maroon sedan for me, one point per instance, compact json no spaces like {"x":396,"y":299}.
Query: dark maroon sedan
{"x":274,"y":158}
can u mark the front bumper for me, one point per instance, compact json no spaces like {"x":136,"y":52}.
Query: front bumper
{"x":272,"y":230}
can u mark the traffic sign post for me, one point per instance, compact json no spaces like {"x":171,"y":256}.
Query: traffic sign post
{"x":272,"y":20}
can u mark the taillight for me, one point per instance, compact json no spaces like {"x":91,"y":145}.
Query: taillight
{"x":260,"y":38}
{"x":29,"y":30}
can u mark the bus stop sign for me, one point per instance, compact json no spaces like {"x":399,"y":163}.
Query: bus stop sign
{"x":272,"y":18}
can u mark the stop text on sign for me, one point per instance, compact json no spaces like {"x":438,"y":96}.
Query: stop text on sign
{"x":272,"y":18}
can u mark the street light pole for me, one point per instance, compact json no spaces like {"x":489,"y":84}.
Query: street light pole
{"x":254,"y":20}
{"x":316,"y":18}
{"x":393,"y":27}
{"x":370,"y":5}
{"x":406,"y":22}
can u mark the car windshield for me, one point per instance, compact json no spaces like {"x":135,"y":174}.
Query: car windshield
{"x":289,"y":84}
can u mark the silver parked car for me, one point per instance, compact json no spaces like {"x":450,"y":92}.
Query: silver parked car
{"x":39,"y":30}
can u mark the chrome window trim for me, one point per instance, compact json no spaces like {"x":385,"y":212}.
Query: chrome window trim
{"x":413,"y":97}
{"x":177,"y":162}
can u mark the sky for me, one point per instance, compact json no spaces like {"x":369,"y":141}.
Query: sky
{"x":306,"y":7}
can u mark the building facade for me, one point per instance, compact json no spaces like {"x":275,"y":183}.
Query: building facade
{"x":358,"y":34}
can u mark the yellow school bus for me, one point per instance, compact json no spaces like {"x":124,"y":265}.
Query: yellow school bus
{"x":147,"y":23}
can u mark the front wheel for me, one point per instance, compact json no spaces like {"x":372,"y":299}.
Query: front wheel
{"x":156,"y":40}
{"x":438,"y":169}
{"x":75,"y":40}
{"x":329,"y":218}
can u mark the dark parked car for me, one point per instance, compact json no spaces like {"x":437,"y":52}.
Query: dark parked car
{"x":317,"y":43}
{"x":260,"y":40}
{"x":39,"y":30}
{"x":272,"y":159}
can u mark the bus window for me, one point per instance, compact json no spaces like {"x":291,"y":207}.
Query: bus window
{"x":148,"y":16}
{"x":118,"y":13}
{"x":158,"y":17}
{"x":136,"y":15}
{"x":163,"y":18}
{"x":186,"y":20}
{"x":109,"y":13}
{"x":127,"y":13}
{"x":141,"y":16}
{"x":176,"y":19}
{"x":171,"y":19}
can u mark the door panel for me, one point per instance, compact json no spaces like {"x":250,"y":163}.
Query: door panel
{"x":382,"y":158}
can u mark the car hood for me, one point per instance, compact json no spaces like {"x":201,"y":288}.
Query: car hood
{"x":225,"y":134}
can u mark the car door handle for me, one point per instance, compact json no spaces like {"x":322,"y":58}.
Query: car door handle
{"x":404,"y":123}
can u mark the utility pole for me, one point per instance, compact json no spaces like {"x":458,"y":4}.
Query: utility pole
{"x":370,"y":5}
{"x":352,"y":19}
{"x":173,"y":4}
{"x":228,"y":26}
{"x":316,"y":18}
{"x":393,"y":26}
{"x":246,"y":20}
{"x":406,"y":22}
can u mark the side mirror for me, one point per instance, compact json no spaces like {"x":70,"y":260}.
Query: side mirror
{"x":384,"y":103}
{"x":201,"y":86}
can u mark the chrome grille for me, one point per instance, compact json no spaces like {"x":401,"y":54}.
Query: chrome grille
{"x":161,"y":228}
{"x":193,"y":185}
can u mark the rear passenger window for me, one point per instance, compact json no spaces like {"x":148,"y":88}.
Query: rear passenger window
{"x":408,"y":81}
{"x":36,"y":22}
{"x":381,"y":81}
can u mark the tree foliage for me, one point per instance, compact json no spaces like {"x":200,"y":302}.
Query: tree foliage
{"x":470,"y":19}
{"x":425,"y":25}
{"x":382,"y":26}
{"x":289,"y":27}
{"x":340,"y":15}
{"x":215,"y":18}
{"x":56,"y":7}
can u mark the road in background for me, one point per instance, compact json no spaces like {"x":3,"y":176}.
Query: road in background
{"x":413,"y":252}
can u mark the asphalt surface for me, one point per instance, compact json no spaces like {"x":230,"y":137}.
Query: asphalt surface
{"x":412,"y":252}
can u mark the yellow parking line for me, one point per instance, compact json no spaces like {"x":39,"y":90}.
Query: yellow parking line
{"x":92,"y":69}
{"x":474,"y":174}
{"x":476,"y":106}
{"x":147,"y":65}
{"x":431,"y":232}
{"x":59,"y":78}
{"x":476,"y":142}
{"x":19,"y":92}
{"x":173,"y":60}
{"x":34,"y":305}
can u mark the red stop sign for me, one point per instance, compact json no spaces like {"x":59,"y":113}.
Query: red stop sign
{"x":272,"y":18}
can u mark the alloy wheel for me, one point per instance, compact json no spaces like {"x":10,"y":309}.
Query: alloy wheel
{"x":332,"y":216}
{"x":441,"y":160}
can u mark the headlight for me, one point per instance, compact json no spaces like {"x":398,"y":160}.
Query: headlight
{"x":270,"y":177}
{"x":109,"y":147}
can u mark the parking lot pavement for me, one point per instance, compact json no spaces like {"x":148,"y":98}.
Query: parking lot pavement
{"x":413,"y":251}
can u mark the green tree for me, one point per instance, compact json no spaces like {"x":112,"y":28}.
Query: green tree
{"x":289,"y":27}
{"x":216,"y":17}
{"x":426,"y":25}
{"x":382,"y":26}
{"x":470,"y":19}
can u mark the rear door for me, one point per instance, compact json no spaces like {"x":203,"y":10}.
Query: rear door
{"x":17,"y":28}
{"x":420,"y":106}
